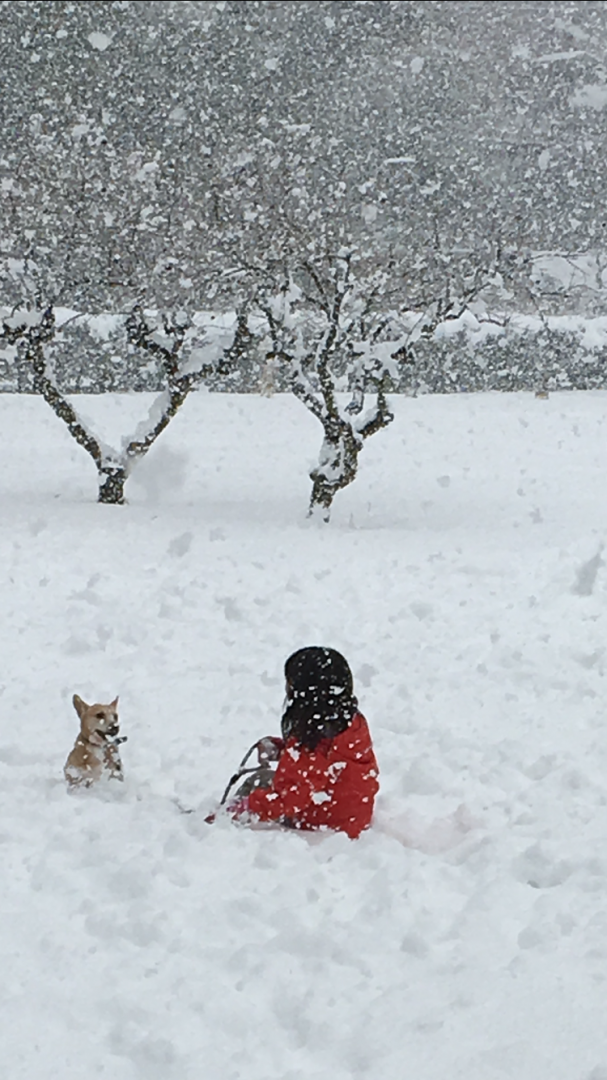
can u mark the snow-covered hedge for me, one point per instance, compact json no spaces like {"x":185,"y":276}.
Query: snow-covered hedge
{"x":462,"y":355}
{"x":519,"y":353}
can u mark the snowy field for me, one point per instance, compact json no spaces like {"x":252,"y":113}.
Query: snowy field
{"x":463,"y":936}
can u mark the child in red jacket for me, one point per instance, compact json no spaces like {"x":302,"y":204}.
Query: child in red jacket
{"x":326,"y":777}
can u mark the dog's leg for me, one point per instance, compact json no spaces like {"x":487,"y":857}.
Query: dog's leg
{"x":112,"y":763}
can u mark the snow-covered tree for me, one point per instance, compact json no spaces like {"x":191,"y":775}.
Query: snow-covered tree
{"x":331,"y":337}
{"x":339,"y":331}
{"x":186,"y":350}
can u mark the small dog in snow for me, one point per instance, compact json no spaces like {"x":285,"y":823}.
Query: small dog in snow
{"x":95,"y":753}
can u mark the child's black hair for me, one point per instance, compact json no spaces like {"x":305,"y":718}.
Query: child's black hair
{"x":320,"y":696}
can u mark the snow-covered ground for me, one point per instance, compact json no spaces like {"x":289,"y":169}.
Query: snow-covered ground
{"x":465,"y":935}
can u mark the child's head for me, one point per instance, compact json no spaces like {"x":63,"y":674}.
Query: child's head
{"x":320,"y":696}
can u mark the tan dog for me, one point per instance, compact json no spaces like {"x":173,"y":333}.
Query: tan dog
{"x":95,"y":754}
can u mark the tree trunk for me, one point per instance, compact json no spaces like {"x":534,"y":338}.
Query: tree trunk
{"x":112,"y":479}
{"x":337,"y":467}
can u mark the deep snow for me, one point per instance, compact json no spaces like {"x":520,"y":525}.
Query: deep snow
{"x":465,"y":935}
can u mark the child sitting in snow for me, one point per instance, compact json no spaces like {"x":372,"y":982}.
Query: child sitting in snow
{"x":326,"y":776}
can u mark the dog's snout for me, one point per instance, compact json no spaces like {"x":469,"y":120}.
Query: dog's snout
{"x":113,"y":730}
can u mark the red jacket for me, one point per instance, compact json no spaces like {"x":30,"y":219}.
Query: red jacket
{"x":331,"y":787}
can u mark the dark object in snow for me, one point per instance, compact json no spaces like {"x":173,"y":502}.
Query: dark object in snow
{"x":260,"y":775}
{"x":586,"y":576}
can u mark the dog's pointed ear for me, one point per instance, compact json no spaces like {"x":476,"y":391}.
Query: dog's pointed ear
{"x":114,"y":704}
{"x":79,"y":705}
